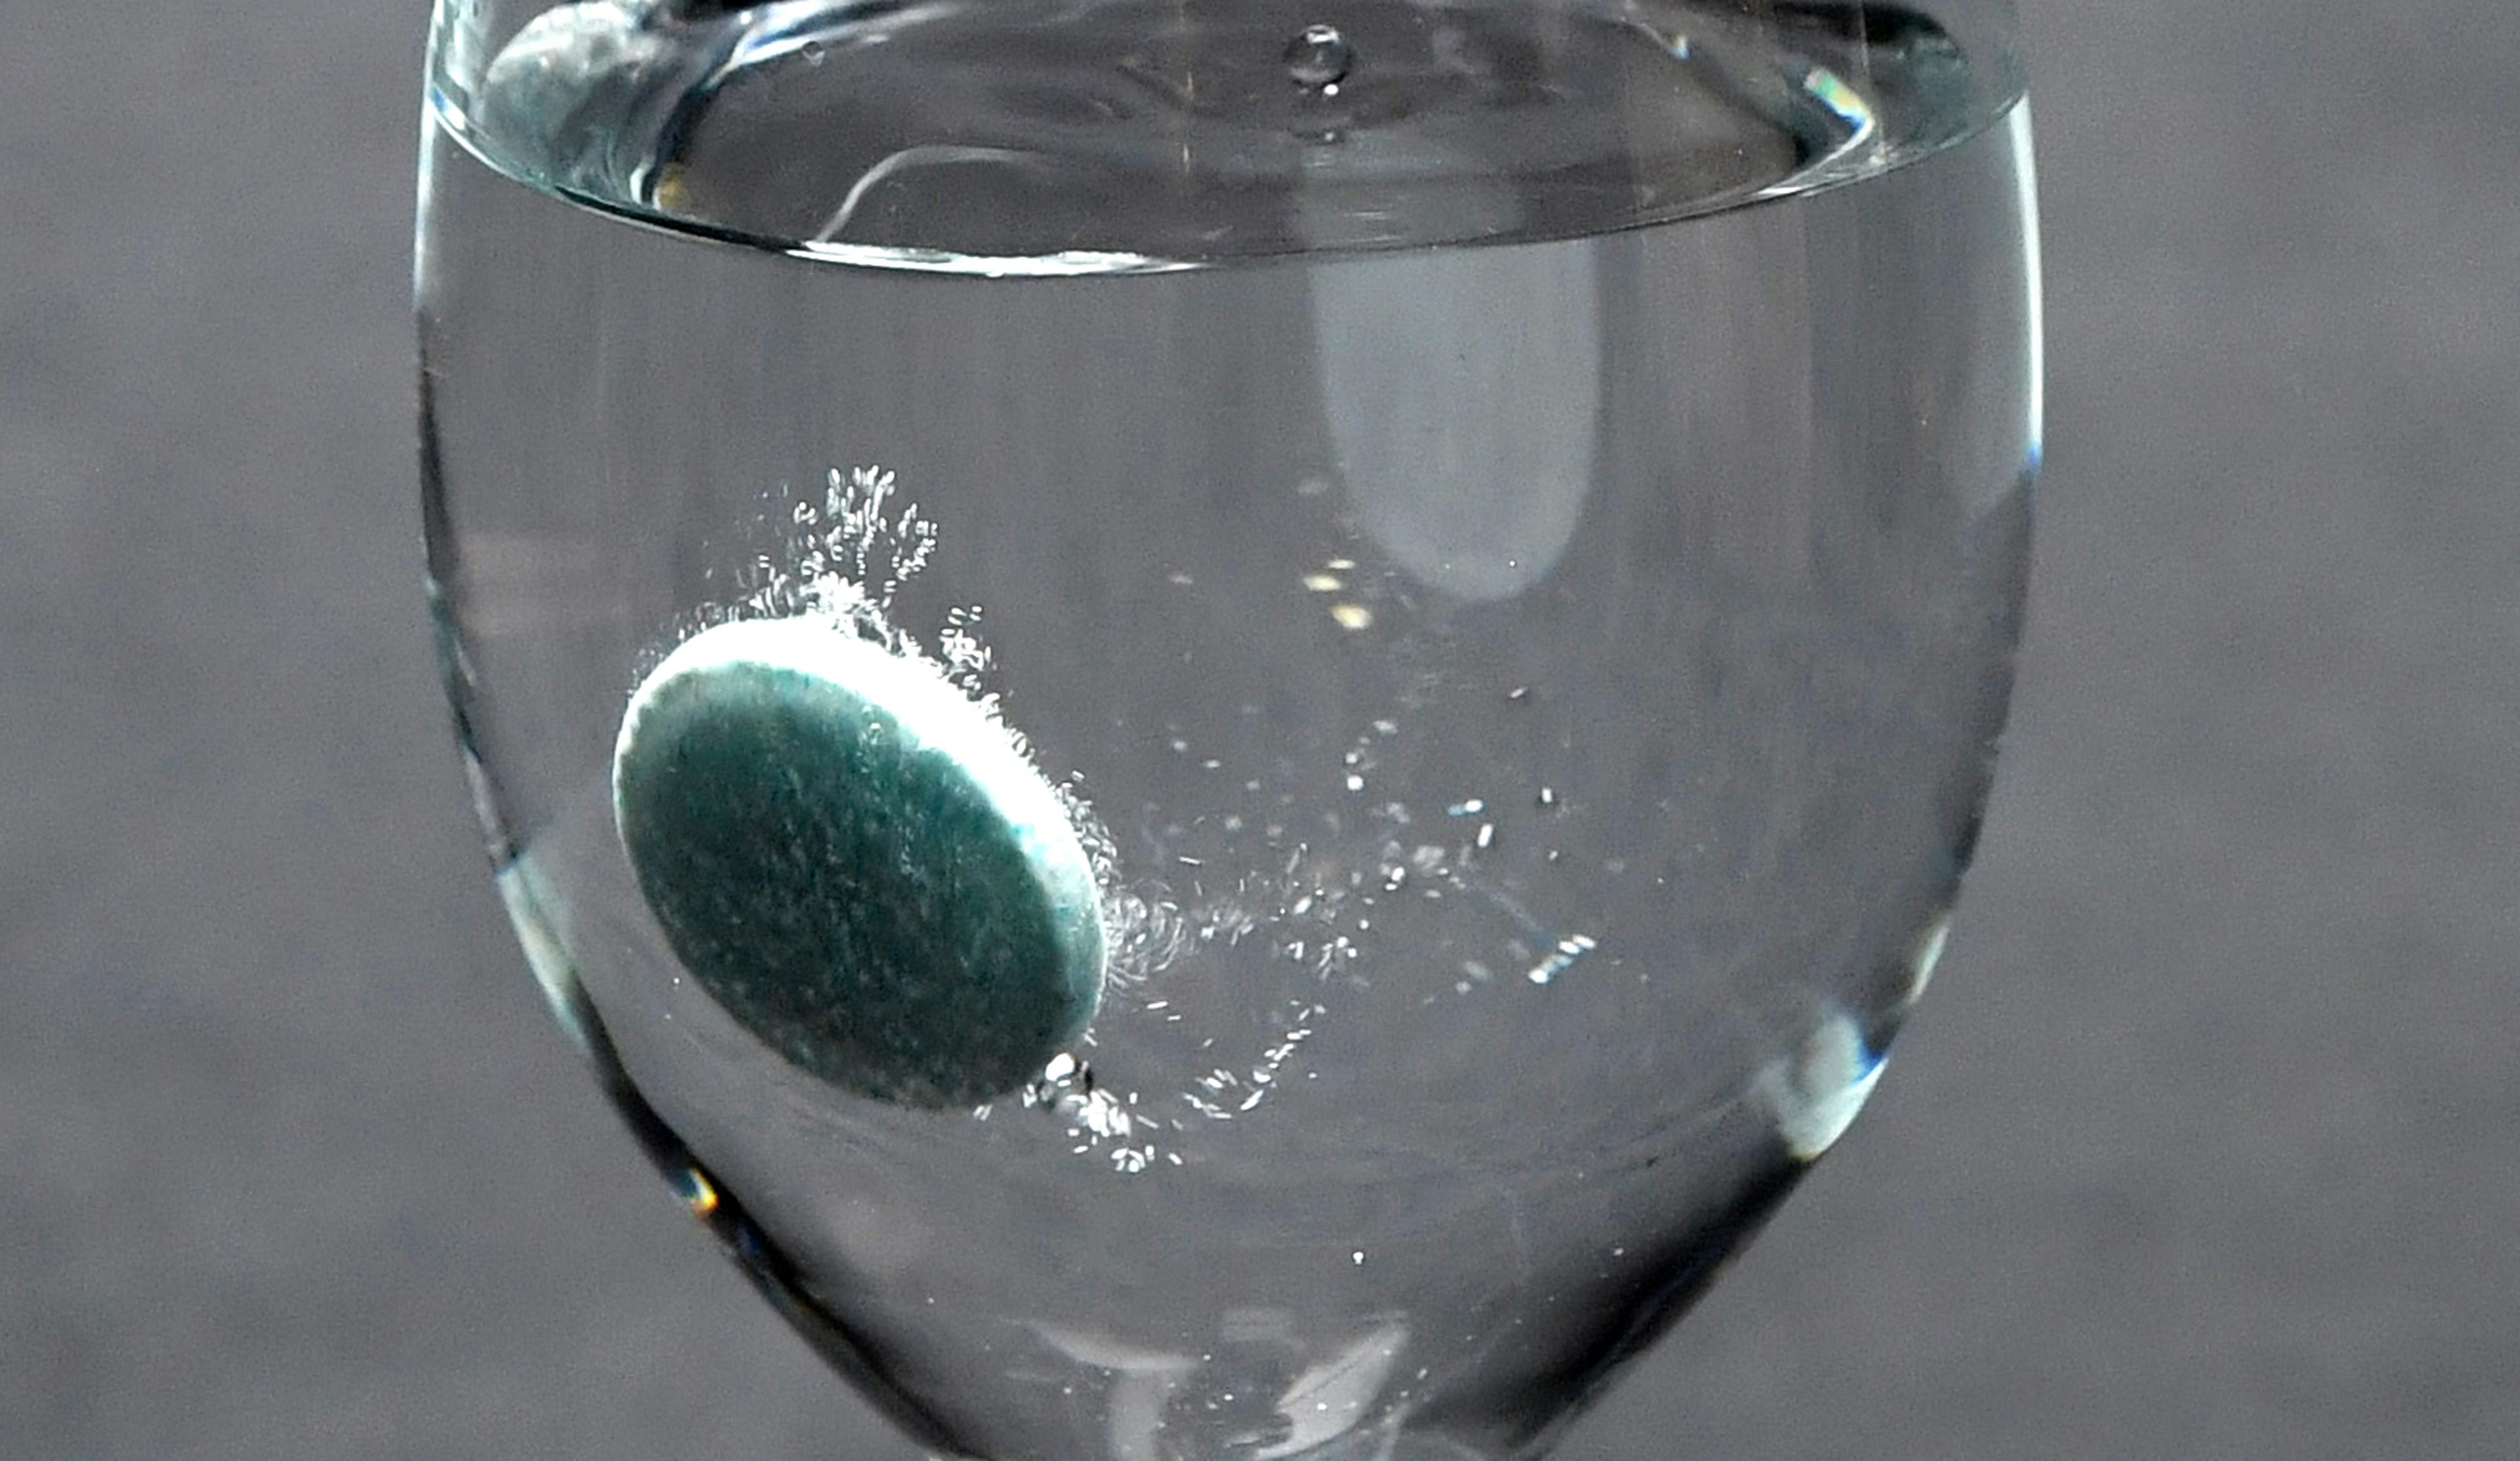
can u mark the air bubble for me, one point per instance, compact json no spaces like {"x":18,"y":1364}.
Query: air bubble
{"x":1319,"y":56}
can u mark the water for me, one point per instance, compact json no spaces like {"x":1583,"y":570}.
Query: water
{"x":1507,"y":527}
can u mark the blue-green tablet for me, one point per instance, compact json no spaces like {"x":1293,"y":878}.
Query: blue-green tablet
{"x":855,"y":861}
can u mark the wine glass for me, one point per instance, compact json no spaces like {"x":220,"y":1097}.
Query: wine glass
{"x":1233,"y":723}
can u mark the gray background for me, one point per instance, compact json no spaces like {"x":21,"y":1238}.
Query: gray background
{"x":2208,"y":1143}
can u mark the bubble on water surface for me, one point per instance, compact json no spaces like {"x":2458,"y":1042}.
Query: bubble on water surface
{"x":1319,"y":56}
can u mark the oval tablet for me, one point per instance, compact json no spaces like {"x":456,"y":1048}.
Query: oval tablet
{"x":855,"y":861}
